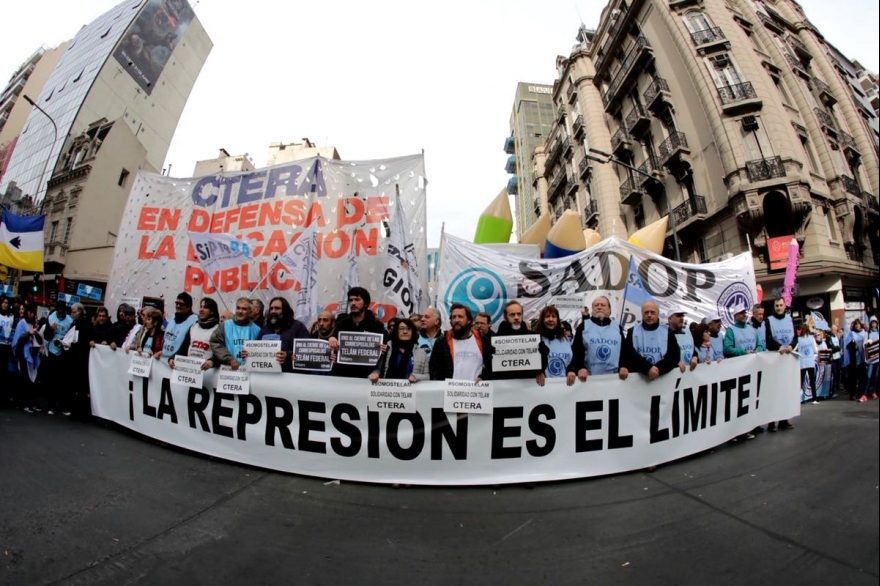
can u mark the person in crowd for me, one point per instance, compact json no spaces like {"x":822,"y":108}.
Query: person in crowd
{"x":483,"y":323}
{"x":258,"y":312}
{"x":324,"y":326}
{"x":513,"y":325}
{"x":741,"y":338}
{"x":649,"y":348}
{"x":780,"y":329}
{"x":462,"y":353}
{"x":685,"y":339}
{"x":597,"y":342}
{"x":566,"y":330}
{"x":179,"y":326}
{"x":854,"y":343}
{"x":281,"y":325}
{"x":75,"y":399}
{"x":713,"y":324}
{"x":559,"y":353}
{"x":703,"y":344}
{"x":359,"y":319}
{"x":150,"y":338}
{"x":103,"y":328}
{"x":833,"y":343}
{"x":808,"y":356}
{"x":197,"y":341}
{"x":403,"y":359}
{"x":391,"y":326}
{"x":757,"y":323}
{"x":872,"y":365}
{"x":224,"y":315}
{"x":227,"y":341}
{"x":124,"y":329}
{"x":52,"y":375}
{"x":823,"y":368}
{"x":26,"y":349}
{"x":430,"y":330}
{"x":416,"y":318}
{"x":7,"y":327}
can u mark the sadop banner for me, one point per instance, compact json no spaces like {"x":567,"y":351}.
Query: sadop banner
{"x":485,"y":279}
{"x":323,"y":426}
{"x":348,"y":202}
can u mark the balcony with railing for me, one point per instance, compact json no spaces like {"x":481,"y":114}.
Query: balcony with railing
{"x":566,"y":147}
{"x":577,"y":127}
{"x":708,"y":37}
{"x":560,"y":113}
{"x":798,"y":46}
{"x":639,"y":51}
{"x":765,"y":169}
{"x":849,"y":144}
{"x":56,"y":252}
{"x":826,"y":121}
{"x":552,"y":156}
{"x":556,"y":184}
{"x":872,"y":202}
{"x":796,"y":64}
{"x":637,"y":121}
{"x":591,"y":211}
{"x":693,"y":207}
{"x":657,"y":93}
{"x":824,"y":91}
{"x":739,"y":97}
{"x":675,"y":145}
{"x":850,"y":185}
{"x":630,"y":193}
{"x":620,"y":141}
{"x":509,"y":145}
{"x":584,"y":167}
{"x":770,"y":22}
{"x":648,"y":167}
{"x":571,"y":92}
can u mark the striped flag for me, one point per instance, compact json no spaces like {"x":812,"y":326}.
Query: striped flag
{"x":21,"y":241}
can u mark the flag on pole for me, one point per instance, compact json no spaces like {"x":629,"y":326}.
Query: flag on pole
{"x":301,"y":259}
{"x":351,"y":279}
{"x":403,"y":285}
{"x":217,"y":252}
{"x":21,"y":241}
{"x":634,"y":295}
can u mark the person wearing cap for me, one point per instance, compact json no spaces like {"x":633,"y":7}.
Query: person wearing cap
{"x":179,"y":326}
{"x":125,"y":327}
{"x":716,"y":341}
{"x":741,"y":338}
{"x":359,"y":319}
{"x":780,"y":329}
{"x":597,"y":342}
{"x":684,"y":338}
{"x":649,"y":348}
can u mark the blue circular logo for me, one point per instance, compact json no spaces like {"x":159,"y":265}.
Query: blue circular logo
{"x":603,"y":353}
{"x":737,"y":293}
{"x":556,"y":366}
{"x":480,"y":289}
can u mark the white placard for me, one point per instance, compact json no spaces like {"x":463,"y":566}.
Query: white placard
{"x":516,"y":353}
{"x":464,"y":396}
{"x":391,"y":396}
{"x":140,"y":365}
{"x":187,"y":371}
{"x":233,"y":382}
{"x":132,"y":301}
{"x":261,"y":355}
{"x":569,"y":302}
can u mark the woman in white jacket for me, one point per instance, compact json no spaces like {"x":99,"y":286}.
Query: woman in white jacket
{"x":809,"y":354}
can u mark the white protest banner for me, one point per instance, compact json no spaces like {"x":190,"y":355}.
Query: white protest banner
{"x":321,"y":426}
{"x":516,"y":353}
{"x":485,"y":279}
{"x":349,"y":202}
{"x":312,"y":355}
{"x":403,"y":285}
{"x":187,"y":371}
{"x":140,"y":365}
{"x":301,"y":259}
{"x":233,"y":382}
{"x":359,"y":348}
{"x":261,"y":356}
{"x":569,"y":303}
{"x":391,"y":396}
{"x":465,"y":396}
{"x":132,"y":301}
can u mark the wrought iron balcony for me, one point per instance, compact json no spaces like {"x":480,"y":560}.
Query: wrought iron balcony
{"x":630,"y":193}
{"x":770,"y":22}
{"x":637,"y":121}
{"x":796,"y":64}
{"x":676,"y":144}
{"x":584,"y":167}
{"x":553,"y":155}
{"x":850,"y":186}
{"x":849,"y":143}
{"x":555,"y":185}
{"x":873,"y":205}
{"x":591,"y":211}
{"x":658,"y":89}
{"x":621,"y":75}
{"x":560,"y":112}
{"x":765,"y":169}
{"x":826,"y":121}
{"x":566,"y":147}
{"x":708,"y":36}
{"x":620,"y":140}
{"x":648,"y":167}
{"x":570,"y":92}
{"x":735,"y":96}
{"x":798,"y":46}
{"x":692,"y":207}
{"x":825,"y":93}
{"x":578,"y":126}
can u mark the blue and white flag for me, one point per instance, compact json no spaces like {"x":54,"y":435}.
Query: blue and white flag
{"x":216,"y":252}
{"x":819,"y":321}
{"x":403,"y":285}
{"x":301,"y":259}
{"x":634,"y":295}
{"x":21,"y":241}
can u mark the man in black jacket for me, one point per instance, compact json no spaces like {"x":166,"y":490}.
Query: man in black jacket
{"x":650,"y":348}
{"x":359,"y":319}
{"x":281,"y":325}
{"x":462,"y":353}
{"x":121,"y":328}
{"x":513,"y":326}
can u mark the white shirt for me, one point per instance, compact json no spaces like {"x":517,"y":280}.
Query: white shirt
{"x":467,"y":360}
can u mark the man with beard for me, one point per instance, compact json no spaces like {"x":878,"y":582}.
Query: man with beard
{"x":103,"y":328}
{"x":359,"y":319}
{"x":649,"y":347}
{"x":281,"y":325}
{"x":684,"y":338}
{"x":513,"y":326}
{"x":461,"y":354}
{"x":227,"y":341}
{"x":323,"y":327}
{"x":597,"y":342}
{"x":179,"y":327}
{"x":123,"y":327}
{"x":430,"y":330}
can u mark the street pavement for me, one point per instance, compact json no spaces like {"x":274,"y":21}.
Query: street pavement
{"x":91,"y":504}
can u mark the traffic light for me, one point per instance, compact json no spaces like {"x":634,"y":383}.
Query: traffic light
{"x":36,"y":285}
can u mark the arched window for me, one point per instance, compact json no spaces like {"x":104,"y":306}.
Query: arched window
{"x":696,"y":21}
{"x":777,"y":215}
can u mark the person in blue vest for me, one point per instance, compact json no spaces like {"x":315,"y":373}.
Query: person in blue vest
{"x":834,"y":344}
{"x":808,"y":352}
{"x":716,"y":340}
{"x":429,"y":330}
{"x":597,"y":342}
{"x":52,"y":371}
{"x":741,"y":338}
{"x":650,"y":348}
{"x":854,"y":344}
{"x":559,"y":352}
{"x":227,"y":341}
{"x":873,"y":363}
{"x":179,"y":326}
{"x":781,"y":335}
{"x":757,"y":323}
{"x":684,"y":338}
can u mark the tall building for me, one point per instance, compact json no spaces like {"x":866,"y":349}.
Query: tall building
{"x":530,"y":121}
{"x":852,"y":74}
{"x":109,"y":108}
{"x":747,"y":130}
{"x":284,"y":153}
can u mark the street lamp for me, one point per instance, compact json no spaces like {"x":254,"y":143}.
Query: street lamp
{"x":46,"y":163}
{"x":609,"y":158}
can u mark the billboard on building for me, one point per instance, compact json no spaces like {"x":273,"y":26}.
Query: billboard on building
{"x":151,"y":38}
{"x":777,"y":249}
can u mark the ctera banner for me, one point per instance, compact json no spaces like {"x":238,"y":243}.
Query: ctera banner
{"x":348,"y":202}
{"x":322,"y":426}
{"x":484,"y":279}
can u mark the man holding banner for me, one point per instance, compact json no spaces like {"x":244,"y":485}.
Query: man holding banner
{"x":227,"y":341}
{"x":684,"y":338}
{"x":359,"y":319}
{"x":649,"y":347}
{"x":463,"y":353}
{"x":281,"y":325}
{"x":522,"y":354}
{"x":597,"y":343}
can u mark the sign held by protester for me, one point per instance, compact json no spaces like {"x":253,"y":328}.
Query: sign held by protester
{"x":872,"y":349}
{"x":465,"y":396}
{"x":140,"y":364}
{"x":516,"y":353}
{"x":233,"y":382}
{"x":187,"y":371}
{"x":261,"y":355}
{"x":312,"y":355}
{"x":391,"y":396}
{"x":359,"y":348}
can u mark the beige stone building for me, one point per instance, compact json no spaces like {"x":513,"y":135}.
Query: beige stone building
{"x":223,"y":162}
{"x":748,"y":131}
{"x":285,"y":153}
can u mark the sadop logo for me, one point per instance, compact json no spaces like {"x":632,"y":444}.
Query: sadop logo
{"x":603,"y":353}
{"x":480,"y":289}
{"x":737,"y":293}
{"x":556,"y":366}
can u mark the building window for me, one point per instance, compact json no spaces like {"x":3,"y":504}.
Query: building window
{"x":757,"y":143}
{"x":54,"y":232}
{"x":67,"y":225}
{"x":830,"y":223}
{"x":812,"y":166}
{"x":696,"y":21}
{"x":123,"y":177}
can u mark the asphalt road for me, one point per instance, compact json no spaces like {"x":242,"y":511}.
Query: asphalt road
{"x":87,"y":504}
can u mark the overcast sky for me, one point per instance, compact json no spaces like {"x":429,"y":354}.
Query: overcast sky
{"x":379,"y":79}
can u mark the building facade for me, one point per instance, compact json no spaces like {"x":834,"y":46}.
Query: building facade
{"x":280,"y":152}
{"x":530,"y":121}
{"x":746,"y":130}
{"x":223,"y":162}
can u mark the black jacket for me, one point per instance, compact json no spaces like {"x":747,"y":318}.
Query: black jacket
{"x":504,"y":329}
{"x":578,"y":351}
{"x":368,"y":324}
{"x":635,"y":362}
{"x":441,"y":365}
{"x":288,"y":334}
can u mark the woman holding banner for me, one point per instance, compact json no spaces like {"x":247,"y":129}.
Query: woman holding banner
{"x":402,"y":359}
{"x":197,"y":341}
{"x":150,"y":337}
{"x":559,"y":353}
